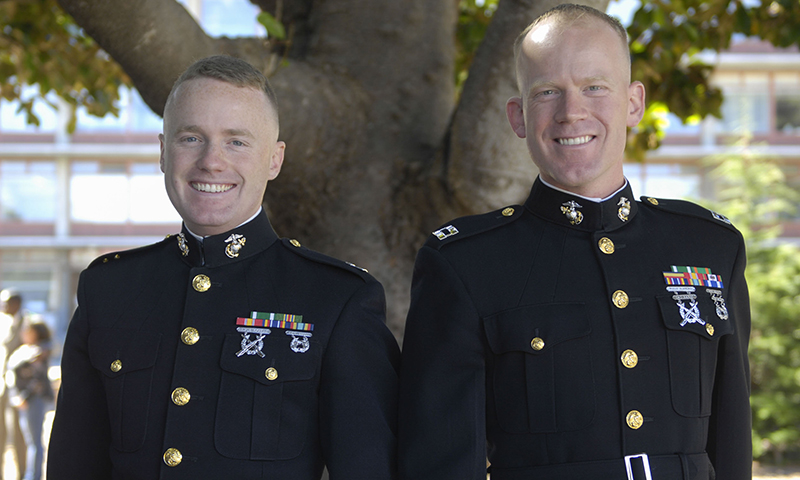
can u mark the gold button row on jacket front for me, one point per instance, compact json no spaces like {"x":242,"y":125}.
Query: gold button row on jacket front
{"x":116,"y":365}
{"x":181,"y":396}
{"x":606,"y":245}
{"x":271,"y":373}
{"x":634,"y":419}
{"x":173,"y":457}
{"x":620,"y":299}
{"x":537,"y":344}
{"x":201,"y":283}
{"x":190,"y":336}
{"x":629,"y":358}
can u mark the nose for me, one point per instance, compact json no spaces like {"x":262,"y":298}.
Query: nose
{"x":212,"y":158}
{"x":571,"y":107}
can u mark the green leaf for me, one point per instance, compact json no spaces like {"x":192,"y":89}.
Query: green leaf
{"x":274,"y":27}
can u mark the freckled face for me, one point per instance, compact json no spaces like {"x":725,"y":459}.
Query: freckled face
{"x":577,"y":102}
{"x":218,"y":151}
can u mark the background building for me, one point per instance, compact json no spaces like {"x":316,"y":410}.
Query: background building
{"x":68,"y":198}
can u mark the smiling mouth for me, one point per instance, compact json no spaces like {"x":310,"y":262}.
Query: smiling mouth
{"x":212,"y":187}
{"x":575,"y":140}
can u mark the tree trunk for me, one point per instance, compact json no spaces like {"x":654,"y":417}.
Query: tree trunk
{"x":378,"y":151}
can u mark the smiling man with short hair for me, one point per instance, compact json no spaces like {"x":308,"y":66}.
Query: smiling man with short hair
{"x":583,"y":335}
{"x":224,"y":351}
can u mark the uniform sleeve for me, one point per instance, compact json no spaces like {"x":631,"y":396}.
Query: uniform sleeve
{"x":729,"y":435}
{"x":442,"y":383}
{"x":358,"y":391}
{"x":80,"y":439}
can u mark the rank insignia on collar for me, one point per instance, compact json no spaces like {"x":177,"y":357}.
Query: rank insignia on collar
{"x":697,"y":276}
{"x":235,"y":243}
{"x":720,"y":217}
{"x":569,"y":209}
{"x":445,"y":232}
{"x":719,"y":302}
{"x":356,"y":266}
{"x":690,"y":313}
{"x":182,"y":244}
{"x":624,"y":209}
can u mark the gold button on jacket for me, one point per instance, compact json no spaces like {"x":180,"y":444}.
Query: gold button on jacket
{"x":271,"y":373}
{"x":116,"y":366}
{"x":190,"y":336}
{"x":201,"y":283}
{"x":634,"y":419}
{"x":181,"y":396}
{"x":606,"y":245}
{"x":629,"y":358}
{"x":173,"y":457}
{"x":537,"y":344}
{"x":620,"y":299}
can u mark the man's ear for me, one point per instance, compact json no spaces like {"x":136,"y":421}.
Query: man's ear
{"x":161,"y":155}
{"x":276,"y":160}
{"x":636,"y":104}
{"x":516,"y":116}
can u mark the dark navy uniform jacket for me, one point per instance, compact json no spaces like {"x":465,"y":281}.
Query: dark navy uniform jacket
{"x":546,"y":337}
{"x":168,"y":375}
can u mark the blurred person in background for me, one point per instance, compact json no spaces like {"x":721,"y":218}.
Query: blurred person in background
{"x":30,"y":392}
{"x":12,"y":319}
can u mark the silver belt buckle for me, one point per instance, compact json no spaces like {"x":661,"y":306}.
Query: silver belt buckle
{"x":645,"y":464}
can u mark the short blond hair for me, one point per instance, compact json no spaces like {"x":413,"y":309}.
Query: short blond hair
{"x":570,"y":12}
{"x":227,"y":69}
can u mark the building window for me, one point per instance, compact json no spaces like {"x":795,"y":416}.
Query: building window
{"x":787,"y":114}
{"x":116,"y":193}
{"x":664,"y":180}
{"x":745,"y":112}
{"x":28,"y":191}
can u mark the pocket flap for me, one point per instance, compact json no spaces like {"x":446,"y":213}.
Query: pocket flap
{"x":117,"y":351}
{"x":551,"y":323}
{"x":279,"y":364}
{"x":698,"y":317}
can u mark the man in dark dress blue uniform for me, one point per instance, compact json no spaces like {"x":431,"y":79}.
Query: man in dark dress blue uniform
{"x":224,"y":351}
{"x":583,"y":335}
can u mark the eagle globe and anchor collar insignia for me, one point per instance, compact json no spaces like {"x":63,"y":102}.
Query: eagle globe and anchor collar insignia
{"x":584,"y":214}
{"x":570,"y":210}
{"x":235,"y":243}
{"x":261,"y":323}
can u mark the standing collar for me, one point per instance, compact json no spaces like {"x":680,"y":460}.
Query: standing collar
{"x":232,"y":246}
{"x":577,"y":212}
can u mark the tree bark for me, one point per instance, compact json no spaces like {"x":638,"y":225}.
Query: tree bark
{"x":378,"y":150}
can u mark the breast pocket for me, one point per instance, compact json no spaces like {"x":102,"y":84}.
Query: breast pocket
{"x":541,"y":371}
{"x":694,"y":331}
{"x":265,"y":403}
{"x":125,"y":360}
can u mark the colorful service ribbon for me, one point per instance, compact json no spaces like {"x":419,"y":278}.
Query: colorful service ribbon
{"x":696,"y":276}
{"x":276,"y":320}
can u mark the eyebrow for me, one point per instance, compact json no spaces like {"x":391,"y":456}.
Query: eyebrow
{"x":236,"y":132}
{"x":590,"y":79}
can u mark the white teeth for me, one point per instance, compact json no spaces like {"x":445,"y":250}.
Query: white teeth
{"x":211,"y":187}
{"x":575,"y":140}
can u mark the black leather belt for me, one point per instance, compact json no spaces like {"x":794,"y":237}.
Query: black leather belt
{"x":632,"y":467}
